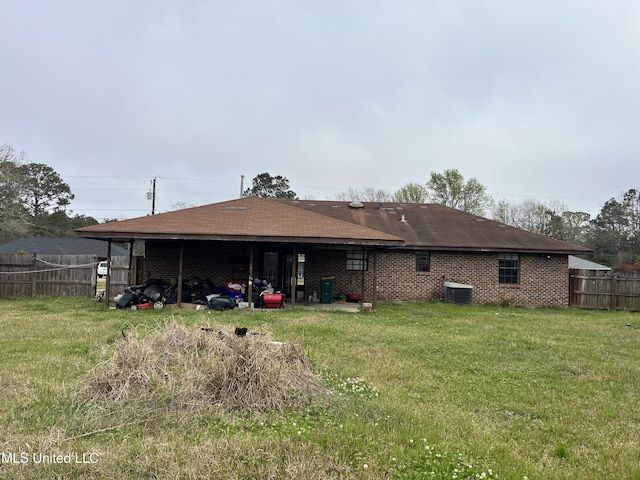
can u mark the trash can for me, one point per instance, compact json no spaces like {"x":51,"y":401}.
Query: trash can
{"x":326,"y":290}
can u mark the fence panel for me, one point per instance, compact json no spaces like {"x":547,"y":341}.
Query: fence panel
{"x":605,"y":290}
{"x":120,"y":274}
{"x":16,"y":275}
{"x":626,"y":286}
{"x":57,"y":275}
{"x":64,"y":275}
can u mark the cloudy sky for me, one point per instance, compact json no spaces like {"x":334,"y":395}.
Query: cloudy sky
{"x":534,"y":98}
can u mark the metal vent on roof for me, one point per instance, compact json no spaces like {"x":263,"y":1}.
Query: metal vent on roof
{"x":356,"y":204}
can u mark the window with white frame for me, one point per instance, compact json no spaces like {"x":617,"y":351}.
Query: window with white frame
{"x":300,"y":269}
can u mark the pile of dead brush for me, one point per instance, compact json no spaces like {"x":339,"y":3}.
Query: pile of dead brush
{"x":184,"y":368}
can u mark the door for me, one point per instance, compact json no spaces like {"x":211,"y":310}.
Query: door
{"x":277,"y":269}
{"x":271,"y":271}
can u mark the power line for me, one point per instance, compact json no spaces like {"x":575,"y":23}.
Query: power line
{"x":119,"y":177}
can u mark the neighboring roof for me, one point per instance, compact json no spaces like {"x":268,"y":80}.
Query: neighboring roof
{"x":582,"y":264}
{"x":62,"y":246}
{"x":425,"y":226}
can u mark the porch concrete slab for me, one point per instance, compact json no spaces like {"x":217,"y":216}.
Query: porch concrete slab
{"x":336,"y":306}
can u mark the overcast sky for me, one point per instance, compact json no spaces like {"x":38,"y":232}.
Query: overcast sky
{"x":534,"y":98}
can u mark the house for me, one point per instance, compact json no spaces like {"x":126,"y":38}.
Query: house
{"x":372,"y":251}
{"x":62,"y":246}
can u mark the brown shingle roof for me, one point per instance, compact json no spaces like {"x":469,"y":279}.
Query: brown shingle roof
{"x":244,"y":219}
{"x":436,"y":227}
{"x":425,"y":226}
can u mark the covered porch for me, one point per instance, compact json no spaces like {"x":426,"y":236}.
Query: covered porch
{"x":297,"y":270}
{"x":254,"y":238}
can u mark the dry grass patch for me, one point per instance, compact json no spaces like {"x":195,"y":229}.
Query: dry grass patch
{"x":187,"y":368}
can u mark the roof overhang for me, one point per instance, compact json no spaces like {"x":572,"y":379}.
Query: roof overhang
{"x":132,"y":236}
{"x":532,"y":251}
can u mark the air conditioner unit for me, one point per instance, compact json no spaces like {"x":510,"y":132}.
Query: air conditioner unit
{"x":458,"y":293}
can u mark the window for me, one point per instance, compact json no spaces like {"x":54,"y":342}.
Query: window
{"x":509,"y":268}
{"x":357,"y":260}
{"x":423,"y":262}
{"x":300,"y":269}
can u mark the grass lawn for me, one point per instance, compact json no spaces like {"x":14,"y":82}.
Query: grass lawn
{"x":421,"y":391}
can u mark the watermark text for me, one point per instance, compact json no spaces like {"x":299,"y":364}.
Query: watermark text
{"x":49,"y":458}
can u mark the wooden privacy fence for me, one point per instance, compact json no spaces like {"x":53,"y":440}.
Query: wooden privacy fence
{"x":605,"y":290}
{"x":57,"y":275}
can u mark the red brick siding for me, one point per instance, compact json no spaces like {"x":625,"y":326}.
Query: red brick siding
{"x":199,"y":261}
{"x":543,"y":281}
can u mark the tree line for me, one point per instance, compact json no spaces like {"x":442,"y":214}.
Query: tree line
{"x":613,"y":235}
{"x":34,"y":200}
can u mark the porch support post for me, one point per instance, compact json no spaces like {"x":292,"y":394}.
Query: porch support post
{"x":374,"y":300}
{"x":364,"y":252}
{"x":34,"y":275}
{"x":107,"y":286}
{"x":129,"y":279}
{"x":250,"y":286}
{"x":294,"y":276}
{"x":180,"y":266}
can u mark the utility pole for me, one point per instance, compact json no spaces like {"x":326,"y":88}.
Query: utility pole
{"x":152,"y":196}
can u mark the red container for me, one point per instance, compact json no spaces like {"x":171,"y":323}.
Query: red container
{"x":142,"y":306}
{"x":351,"y":297}
{"x":273,"y":300}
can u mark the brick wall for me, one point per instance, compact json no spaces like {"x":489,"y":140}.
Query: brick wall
{"x":543,"y":280}
{"x":200,"y":260}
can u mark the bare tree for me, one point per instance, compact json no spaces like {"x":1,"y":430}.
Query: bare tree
{"x":576,"y":227}
{"x":552,"y":219}
{"x":369,"y":194}
{"x":13,"y":214}
{"x":525,"y":215}
{"x":182,"y":205}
